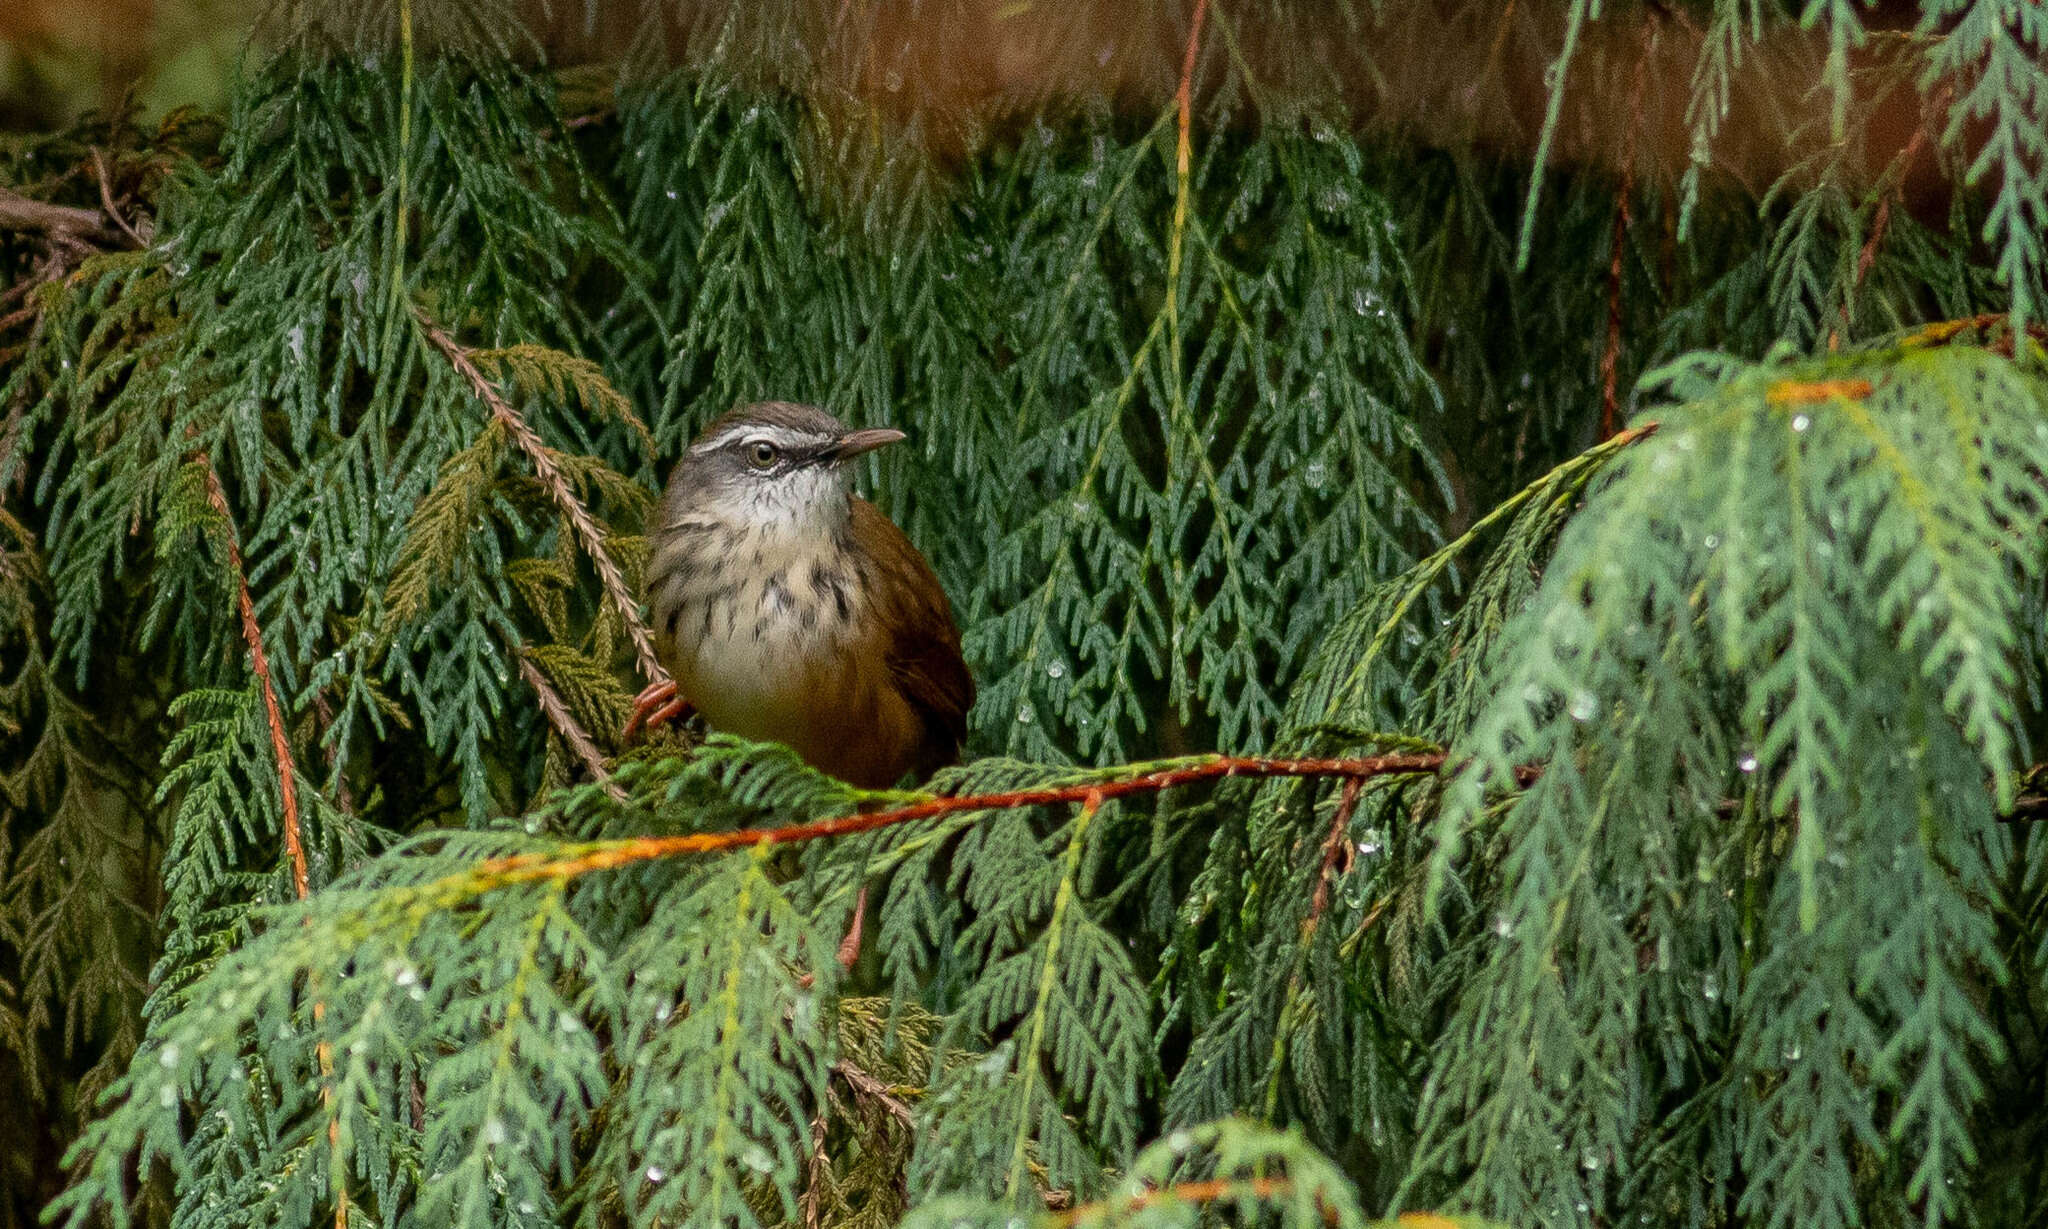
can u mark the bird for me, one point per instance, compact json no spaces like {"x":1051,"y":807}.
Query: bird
{"x":788,"y":609}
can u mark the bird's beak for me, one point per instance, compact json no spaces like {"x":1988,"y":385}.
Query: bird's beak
{"x":853,"y":443}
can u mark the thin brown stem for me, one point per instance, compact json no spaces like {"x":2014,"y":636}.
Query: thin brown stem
{"x":259,"y":663}
{"x":1610,"y":357}
{"x":99,"y":166}
{"x":565,"y":725}
{"x":550,"y":473}
{"x":18,"y":212}
{"x":1334,"y":847}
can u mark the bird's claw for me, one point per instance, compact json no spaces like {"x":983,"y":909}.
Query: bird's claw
{"x":658,"y":704}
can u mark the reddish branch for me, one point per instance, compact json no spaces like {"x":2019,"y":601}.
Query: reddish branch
{"x":1183,"y":1192}
{"x":524,"y":868}
{"x":551,"y":476}
{"x":259,"y":661}
{"x":1610,"y":358}
{"x":1334,"y":846}
{"x":1184,"y":97}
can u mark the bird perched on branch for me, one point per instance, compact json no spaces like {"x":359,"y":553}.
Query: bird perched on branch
{"x":789,"y":609}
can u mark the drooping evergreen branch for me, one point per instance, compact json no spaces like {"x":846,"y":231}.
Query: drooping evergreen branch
{"x":550,"y":473}
{"x":259,"y":664}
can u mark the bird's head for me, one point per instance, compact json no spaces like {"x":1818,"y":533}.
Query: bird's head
{"x":773,"y":466}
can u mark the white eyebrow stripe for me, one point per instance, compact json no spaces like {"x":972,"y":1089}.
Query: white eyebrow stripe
{"x":781,"y":437}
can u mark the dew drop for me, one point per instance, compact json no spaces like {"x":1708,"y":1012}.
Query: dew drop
{"x":1025,"y":715}
{"x":1801,"y":422}
{"x":656,"y":1173}
{"x":526,"y":1207}
{"x":1710,"y":987}
{"x":758,"y":1159}
{"x":167,"y":1096}
{"x":1056,"y":670}
{"x":1748,"y":761}
{"x":1317,"y":474}
{"x":1583,"y":705}
{"x":1370,"y":842}
{"x":1503,"y":927}
{"x":1713,"y":540}
{"x":495,"y":1132}
{"x":169,"y":1057}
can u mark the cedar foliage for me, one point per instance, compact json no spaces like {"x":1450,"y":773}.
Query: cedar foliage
{"x":1699,"y":888}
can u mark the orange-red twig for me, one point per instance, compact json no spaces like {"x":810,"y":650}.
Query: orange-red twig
{"x":1207,"y":1191}
{"x":259,"y":662}
{"x":1184,"y":97}
{"x":524,"y":868}
{"x":1807,"y":392}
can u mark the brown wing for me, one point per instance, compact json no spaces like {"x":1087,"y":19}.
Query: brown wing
{"x":923,"y":642}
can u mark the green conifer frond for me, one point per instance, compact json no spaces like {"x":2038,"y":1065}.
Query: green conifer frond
{"x":1669,"y":852}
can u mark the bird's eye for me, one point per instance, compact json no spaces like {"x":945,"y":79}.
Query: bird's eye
{"x":762,"y":454}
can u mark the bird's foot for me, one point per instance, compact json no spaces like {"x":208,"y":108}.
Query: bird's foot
{"x":659,"y":704}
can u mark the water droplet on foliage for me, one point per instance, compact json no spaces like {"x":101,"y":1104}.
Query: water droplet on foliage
{"x":1583,"y":705}
{"x":1713,"y":540}
{"x":1591,"y":1164}
{"x":1317,"y":474}
{"x":495,"y":1132}
{"x":1025,"y":715}
{"x":1179,"y":1142}
{"x":1792,"y":1052}
{"x":1801,"y":422}
{"x":656,"y":1173}
{"x":1370,"y":842}
{"x":1748,"y":762}
{"x":1056,"y":670}
{"x":295,"y":341}
{"x":758,"y":1160}
{"x":1710,"y":987}
{"x":167,"y":1096}
{"x":526,"y":1207}
{"x":1503,"y":927}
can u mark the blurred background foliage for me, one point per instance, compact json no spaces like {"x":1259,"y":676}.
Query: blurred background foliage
{"x":1269,"y":381}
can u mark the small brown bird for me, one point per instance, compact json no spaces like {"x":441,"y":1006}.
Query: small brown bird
{"x":790,"y":609}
